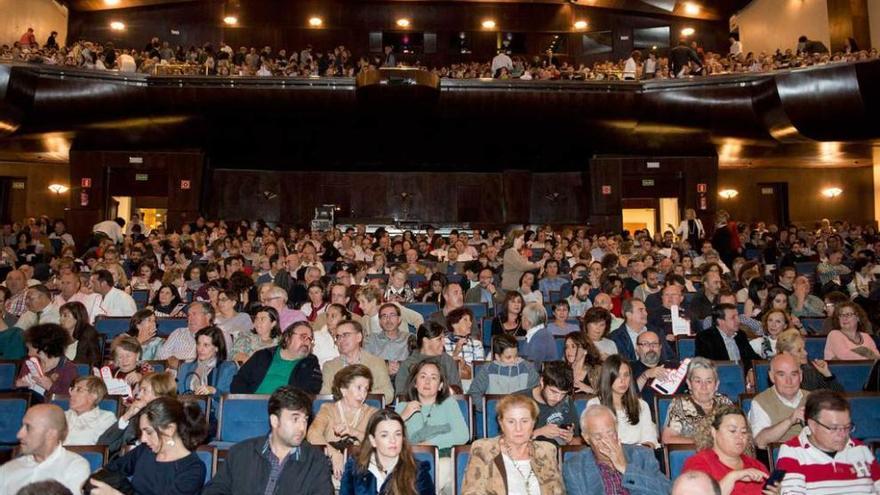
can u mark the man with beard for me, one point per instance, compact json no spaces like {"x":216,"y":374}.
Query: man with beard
{"x":579,"y":300}
{"x":291,"y":362}
{"x":650,"y":366}
{"x":650,"y":285}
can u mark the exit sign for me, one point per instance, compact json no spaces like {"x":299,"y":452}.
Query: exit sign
{"x":141,"y":177}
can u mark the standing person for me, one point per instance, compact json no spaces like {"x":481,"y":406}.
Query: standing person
{"x":515,"y":264}
{"x":631,"y":67}
{"x":691,"y":228}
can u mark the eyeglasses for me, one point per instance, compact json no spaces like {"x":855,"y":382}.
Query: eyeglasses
{"x":837,"y":429}
{"x":847,"y":315}
{"x":649,"y":344}
{"x":344,"y":335}
{"x":303,"y":336}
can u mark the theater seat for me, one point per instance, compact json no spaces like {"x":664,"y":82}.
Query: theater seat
{"x":13,"y":406}
{"x":8,"y":371}
{"x":813,"y":325}
{"x":480,"y":310}
{"x":83,"y":369}
{"x":95,"y":454}
{"x":745,"y":402}
{"x":208,"y":455}
{"x":865,"y":415}
{"x":661,"y":408}
{"x":487,"y":335}
{"x":374,"y":400}
{"x":676,"y":455}
{"x":560,"y":346}
{"x":490,"y":422}
{"x":686,"y":347}
{"x":241,"y":416}
{"x":773,"y":453}
{"x":852,"y":375}
{"x":141,"y":298}
{"x":566,"y":452}
{"x":428,"y":453}
{"x":467,"y":411}
{"x":111,"y":326}
{"x":159,"y":365}
{"x":109,"y":403}
{"x":164,"y":326}
{"x":461,"y":454}
{"x":580,"y":403}
{"x":762,"y":375}
{"x":424,"y":309}
{"x":815,"y":346}
{"x":731,"y":377}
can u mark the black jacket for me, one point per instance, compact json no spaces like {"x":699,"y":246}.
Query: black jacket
{"x":306,"y":376}
{"x":710,"y":345}
{"x":246,"y":472}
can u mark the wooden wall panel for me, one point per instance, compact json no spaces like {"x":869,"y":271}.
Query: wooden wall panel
{"x":36,"y":199}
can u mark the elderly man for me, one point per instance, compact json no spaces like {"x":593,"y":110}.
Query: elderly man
{"x":649,"y":365}
{"x":661,"y":317}
{"x":390,"y":344}
{"x":539,"y":345}
{"x":603,"y":301}
{"x":370,"y":299}
{"x":42,"y":432}
{"x":349,"y":340}
{"x":299,"y":292}
{"x":114,"y":302}
{"x":777,"y":414}
{"x":485,"y":291}
{"x":802,"y":302}
{"x":823,"y":458}
{"x":181,"y":344}
{"x":626,"y":337}
{"x":609,"y":466}
{"x":695,"y":483}
{"x":291,"y":362}
{"x":40,"y":308}
{"x":71,"y":285}
{"x":276,"y":297}
{"x":16,"y":282}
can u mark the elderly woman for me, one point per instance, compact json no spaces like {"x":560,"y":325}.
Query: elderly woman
{"x":210,"y":374}
{"x":47,"y":343}
{"x":529,"y":467}
{"x":125,"y":431}
{"x":142,"y":326}
{"x":724,"y":456}
{"x":463,"y":348}
{"x":85,"y":420}
{"x":850,"y":339}
{"x":264,"y":334}
{"x":127,"y":365}
{"x":690,"y":414}
{"x":343,"y":423}
{"x":385,"y":464}
{"x":815,"y":373}
{"x":85,"y":348}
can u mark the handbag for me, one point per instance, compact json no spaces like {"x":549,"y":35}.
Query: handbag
{"x":115,"y":479}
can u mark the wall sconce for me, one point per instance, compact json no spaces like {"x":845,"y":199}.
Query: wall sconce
{"x":488,"y":24}
{"x":403,"y":22}
{"x":688,"y":31}
{"x":58,"y":188}
{"x":230,"y":20}
{"x":832,"y":192}
{"x":117,"y":26}
{"x":728,"y":193}
{"x":315,"y":22}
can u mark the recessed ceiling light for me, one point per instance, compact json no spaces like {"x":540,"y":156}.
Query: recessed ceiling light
{"x":111,"y":3}
{"x":691,"y":8}
{"x":403,"y":22}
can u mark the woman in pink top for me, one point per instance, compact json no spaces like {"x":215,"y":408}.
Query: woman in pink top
{"x":851,"y":342}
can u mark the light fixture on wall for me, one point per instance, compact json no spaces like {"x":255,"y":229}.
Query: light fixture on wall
{"x":728,"y":193}
{"x":315,"y":22}
{"x":403,"y":22}
{"x":580,"y":25}
{"x":488,"y":24}
{"x":832,"y":192}
{"x":58,"y":188}
{"x":688,"y":31}
{"x":230,"y":20}
{"x":690,"y":8}
{"x":117,"y":26}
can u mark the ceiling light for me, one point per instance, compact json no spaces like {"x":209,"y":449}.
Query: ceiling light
{"x":728,"y":193}
{"x":488,"y":24}
{"x":117,"y":26}
{"x":231,"y":20}
{"x":580,"y":24}
{"x":404,"y":23}
{"x":832,"y":192}
{"x":315,"y":22}
{"x":691,"y":8}
{"x":688,"y":31}
{"x":58,"y":188}
{"x":111,"y":3}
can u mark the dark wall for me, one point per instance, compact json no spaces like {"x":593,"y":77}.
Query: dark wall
{"x":284,"y":25}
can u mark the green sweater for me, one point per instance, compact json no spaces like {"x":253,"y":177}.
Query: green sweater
{"x":438,"y":424}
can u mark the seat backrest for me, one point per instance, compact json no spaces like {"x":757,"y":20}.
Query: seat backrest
{"x":569,"y":451}
{"x":319,"y":401}
{"x":852,"y":375}
{"x":560,"y":346}
{"x":8,"y":371}
{"x":109,"y":403}
{"x":676,"y":455}
{"x":745,"y":402}
{"x":13,"y":406}
{"x":242,"y":416}
{"x":487,"y":334}
{"x":580,"y":402}
{"x":208,"y":455}
{"x":762,"y":375}
{"x":375,"y":400}
{"x":95,"y":454}
{"x":164,"y":326}
{"x":865,"y":415}
{"x":731,"y":377}
{"x":686,"y":347}
{"x":490,"y":422}
{"x":159,"y":365}
{"x":773,"y":453}
{"x":461,"y":454}
{"x":83,"y":369}
{"x":111,"y":326}
{"x":815,"y":346}
{"x":467,"y":411}
{"x":661,"y":409}
{"x":813,"y":325}
{"x":141,"y":297}
{"x":428,"y":453}
{"x":424,"y":309}
{"x":480,"y":310}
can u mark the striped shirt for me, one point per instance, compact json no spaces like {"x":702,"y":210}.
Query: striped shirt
{"x":810,"y":470}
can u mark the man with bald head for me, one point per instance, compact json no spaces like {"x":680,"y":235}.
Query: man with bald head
{"x":16,"y":282}
{"x":71,"y":285}
{"x":609,"y":466}
{"x":695,"y":483}
{"x":603,"y":300}
{"x":42,"y":457}
{"x":777,"y":414}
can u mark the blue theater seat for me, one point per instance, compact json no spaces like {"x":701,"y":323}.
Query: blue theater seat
{"x":111,"y":326}
{"x":8,"y":371}
{"x":467,"y":411}
{"x":480,"y":310}
{"x":95,"y":454}
{"x":424,"y":309}
{"x":208,"y":455}
{"x":164,"y":326}
{"x":13,"y":406}
{"x":490,"y":422}
{"x":83,"y":369}
{"x":865,"y":415}
{"x":762,"y":375}
{"x":461,"y":454}
{"x":745,"y":402}
{"x":813,"y":325}
{"x":428,"y":453}
{"x":487,"y":334}
{"x":731,"y":377}
{"x":661,"y":408}
{"x":141,"y":298}
{"x":686,"y":347}
{"x":566,"y":452}
{"x":109,"y":403}
{"x":580,"y":403}
{"x":815,"y":346}
{"x":242,"y":416}
{"x":852,"y":375}
{"x":676,"y":455}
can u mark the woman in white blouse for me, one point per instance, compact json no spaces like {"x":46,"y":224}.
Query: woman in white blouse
{"x":85,"y":420}
{"x":529,"y":289}
{"x":617,"y":391}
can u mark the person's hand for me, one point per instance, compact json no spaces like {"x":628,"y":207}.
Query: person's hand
{"x":22,"y":382}
{"x":491,"y":288}
{"x":411,"y":408}
{"x":550,"y":430}
{"x":340,"y":429}
{"x":459,"y":346}
{"x":566,"y":434}
{"x":746,"y":475}
{"x":240,"y":357}
{"x":206,"y":390}
{"x":865,"y":352}
{"x":583,"y":388}
{"x":797,"y":416}
{"x":44,"y":381}
{"x":101,"y":488}
{"x":144,"y":336}
{"x":393,"y":367}
{"x":614,"y":452}
{"x":133,"y":378}
{"x":336,"y":461}
{"x":822,"y":367}
{"x":772,"y":489}
{"x":133,"y":409}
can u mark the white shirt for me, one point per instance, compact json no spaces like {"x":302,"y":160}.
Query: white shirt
{"x":643,"y":432}
{"x":630,"y":69}
{"x":325,"y":347}
{"x":517,"y":471}
{"x":69,"y":469}
{"x":86,"y":428}
{"x":49,"y":314}
{"x":758,"y":417}
{"x":92,"y":302}
{"x":127,"y":63}
{"x":501,"y":60}
{"x":531,"y":332}
{"x":112,"y":229}
{"x":118,"y":303}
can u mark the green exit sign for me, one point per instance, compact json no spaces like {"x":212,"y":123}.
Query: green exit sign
{"x":141,"y":177}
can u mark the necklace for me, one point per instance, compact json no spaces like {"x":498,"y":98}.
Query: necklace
{"x":357,"y":416}
{"x":429,"y":413}
{"x":527,"y":476}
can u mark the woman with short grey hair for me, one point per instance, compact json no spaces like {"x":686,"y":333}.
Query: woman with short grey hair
{"x":691,"y":413}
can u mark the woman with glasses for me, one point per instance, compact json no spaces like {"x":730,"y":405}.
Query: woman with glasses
{"x":850,"y":340}
{"x":85,"y":420}
{"x":228,"y":319}
{"x":689,"y":414}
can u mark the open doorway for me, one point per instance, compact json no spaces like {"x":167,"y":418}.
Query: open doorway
{"x":640,"y":219}
{"x":152,"y":210}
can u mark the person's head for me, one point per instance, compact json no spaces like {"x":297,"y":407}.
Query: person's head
{"x":849,"y":316}
{"x":46,"y":487}
{"x":711,"y":284}
{"x":74,"y":317}
{"x":426,"y":382}
{"x":43,"y":428}
{"x":829,"y":418}
{"x":16,"y":281}
{"x":505,"y":349}
{"x":69,"y":284}
{"x":369,"y":298}
{"x":787,"y":274}
{"x":86,"y":392}
{"x":616,"y":380}
{"x":289,"y":410}
{"x":516,"y":415}
{"x":648,"y":347}
{"x":556,"y":382}
{"x":726,"y":317}
{"x":512,"y":305}
{"x":166,"y":421}
{"x":460,"y":321}
{"x":561,"y":310}
{"x":599,"y":425}
{"x":577,"y":347}
{"x":429,"y":338}
{"x":102,"y":281}
{"x":775,"y":321}
{"x":352,"y":384}
{"x":38,"y":297}
{"x":275,"y":297}
{"x":785,"y":374}
{"x":297,"y":339}
{"x":730,"y":435}
{"x":155,"y":385}
{"x":349,"y":337}
{"x":210,"y":344}
{"x":671,"y":295}
{"x":695,"y":483}
{"x":596,"y":323}
{"x":46,"y":341}
{"x":635,"y":313}
{"x":143,"y":320}
{"x":126,"y":351}
{"x":386,"y":439}
{"x":534,"y":315}
{"x":791,"y":342}
{"x":199,"y":315}
{"x":702,"y":379}
{"x":389,"y":317}
{"x":452,"y":296}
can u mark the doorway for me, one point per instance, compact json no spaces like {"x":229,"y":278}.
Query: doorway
{"x":773,"y":202}
{"x":152,"y":210}
{"x":640,"y":219}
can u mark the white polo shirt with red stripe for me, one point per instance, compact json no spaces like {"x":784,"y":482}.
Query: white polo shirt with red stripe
{"x":810,"y":470}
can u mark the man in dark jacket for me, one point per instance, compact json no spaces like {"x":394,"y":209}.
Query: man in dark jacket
{"x":725,"y":341}
{"x":283,"y":462}
{"x":290,"y":363}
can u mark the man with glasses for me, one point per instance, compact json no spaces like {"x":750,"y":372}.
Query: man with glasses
{"x":824,"y":458}
{"x":181,"y":344}
{"x":291,"y":362}
{"x":276,"y":297}
{"x":349,"y":341}
{"x":390,"y":344}
{"x":485,"y":291}
{"x":650,"y":366}
{"x":777,"y":414}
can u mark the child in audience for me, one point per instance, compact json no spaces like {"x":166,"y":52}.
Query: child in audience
{"x":507,"y":373}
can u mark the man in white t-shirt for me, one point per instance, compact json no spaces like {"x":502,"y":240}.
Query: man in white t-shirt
{"x":501,"y":60}
{"x":114,"y":301}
